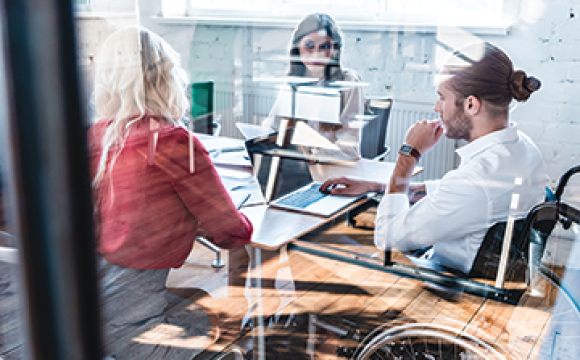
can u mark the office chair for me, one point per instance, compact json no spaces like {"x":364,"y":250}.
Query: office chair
{"x":202,"y":108}
{"x":202,"y":115}
{"x":374,"y":132}
{"x":373,"y":145}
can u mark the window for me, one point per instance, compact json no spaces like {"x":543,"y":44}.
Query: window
{"x":232,"y":5}
{"x":286,"y":9}
{"x":81,"y":5}
{"x":340,"y":9}
{"x":452,"y":12}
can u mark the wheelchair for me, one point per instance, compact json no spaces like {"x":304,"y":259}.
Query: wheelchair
{"x":522,"y":262}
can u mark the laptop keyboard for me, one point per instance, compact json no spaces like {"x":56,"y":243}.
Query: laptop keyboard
{"x":304,"y":198}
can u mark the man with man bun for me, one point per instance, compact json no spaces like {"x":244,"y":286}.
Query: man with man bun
{"x":501,"y":172}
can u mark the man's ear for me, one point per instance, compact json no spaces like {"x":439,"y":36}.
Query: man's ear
{"x":472,"y":105}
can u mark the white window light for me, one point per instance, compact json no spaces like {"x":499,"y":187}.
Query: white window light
{"x":359,"y":13}
{"x":443,"y":11}
{"x":339,"y":9}
{"x":81,"y":5}
{"x":288,"y":9}
{"x":243,"y":8}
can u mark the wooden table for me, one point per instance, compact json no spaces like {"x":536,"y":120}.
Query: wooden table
{"x":302,"y":306}
{"x":274,"y":228}
{"x":312,"y":307}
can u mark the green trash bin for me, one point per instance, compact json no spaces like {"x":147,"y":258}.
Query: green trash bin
{"x":202,"y":106}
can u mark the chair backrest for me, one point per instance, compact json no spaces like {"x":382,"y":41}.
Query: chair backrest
{"x":202,"y":108}
{"x":528,"y":242}
{"x":487,"y":260}
{"x":374,"y":132}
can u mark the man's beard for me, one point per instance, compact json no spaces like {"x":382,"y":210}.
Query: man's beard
{"x":459,"y":126}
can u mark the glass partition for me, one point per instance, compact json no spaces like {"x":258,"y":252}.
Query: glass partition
{"x":468,"y":252}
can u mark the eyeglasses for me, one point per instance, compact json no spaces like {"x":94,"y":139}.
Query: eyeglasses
{"x":325,"y":46}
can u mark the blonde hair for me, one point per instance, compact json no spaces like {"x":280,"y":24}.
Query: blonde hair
{"x":137,"y":74}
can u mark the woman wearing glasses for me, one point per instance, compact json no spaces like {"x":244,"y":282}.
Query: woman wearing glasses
{"x":315,"y":53}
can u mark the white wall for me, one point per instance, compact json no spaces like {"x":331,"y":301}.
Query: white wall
{"x":545,"y":42}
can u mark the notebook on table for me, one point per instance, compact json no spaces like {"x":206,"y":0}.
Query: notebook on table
{"x":285,"y":180}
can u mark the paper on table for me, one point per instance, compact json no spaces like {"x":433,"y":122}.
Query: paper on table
{"x":234,"y":174}
{"x":216,"y":143}
{"x":240,"y":198}
{"x":233,"y":158}
{"x":226,"y":151}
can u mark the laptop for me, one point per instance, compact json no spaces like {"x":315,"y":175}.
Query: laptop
{"x":285,"y":180}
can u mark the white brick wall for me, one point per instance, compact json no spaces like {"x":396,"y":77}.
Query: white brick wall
{"x":545,"y":42}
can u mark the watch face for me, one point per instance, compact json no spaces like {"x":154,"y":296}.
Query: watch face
{"x":406,"y":149}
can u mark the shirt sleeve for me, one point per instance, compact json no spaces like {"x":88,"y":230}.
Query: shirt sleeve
{"x":458,"y":207}
{"x":204,"y":195}
{"x":431,"y":186}
{"x":348,"y":137}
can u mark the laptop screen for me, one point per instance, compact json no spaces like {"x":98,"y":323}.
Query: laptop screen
{"x":279,"y":171}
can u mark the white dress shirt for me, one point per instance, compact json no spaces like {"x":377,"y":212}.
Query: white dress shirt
{"x":501,"y":174}
{"x":346,"y":138}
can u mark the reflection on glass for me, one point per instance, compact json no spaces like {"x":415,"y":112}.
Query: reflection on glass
{"x":12,"y":328}
{"x":155,"y":191}
{"x":293,"y":305}
{"x":315,"y":53}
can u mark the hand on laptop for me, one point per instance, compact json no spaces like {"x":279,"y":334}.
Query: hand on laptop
{"x":348,"y":186}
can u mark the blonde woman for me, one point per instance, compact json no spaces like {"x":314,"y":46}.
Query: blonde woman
{"x":154,"y":186}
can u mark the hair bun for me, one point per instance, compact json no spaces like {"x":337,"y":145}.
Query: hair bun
{"x":531,"y":84}
{"x":522,"y":86}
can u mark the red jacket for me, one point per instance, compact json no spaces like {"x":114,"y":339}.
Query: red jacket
{"x":150,"y":206}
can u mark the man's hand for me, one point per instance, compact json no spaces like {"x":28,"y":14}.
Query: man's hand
{"x":423,"y":135}
{"x":348,"y":186}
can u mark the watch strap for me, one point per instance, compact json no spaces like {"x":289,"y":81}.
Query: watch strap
{"x":409,"y":150}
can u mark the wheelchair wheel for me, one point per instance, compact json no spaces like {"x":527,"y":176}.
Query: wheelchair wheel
{"x":559,"y":297}
{"x":552,"y":333}
{"x":425,"y":341}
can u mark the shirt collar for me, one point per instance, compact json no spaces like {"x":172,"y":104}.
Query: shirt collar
{"x":479,"y":145}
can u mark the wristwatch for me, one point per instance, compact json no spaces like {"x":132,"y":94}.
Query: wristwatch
{"x":408,"y":150}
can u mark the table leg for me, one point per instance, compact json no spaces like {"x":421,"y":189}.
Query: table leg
{"x":255,"y":302}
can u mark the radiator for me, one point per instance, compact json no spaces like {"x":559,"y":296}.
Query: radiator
{"x":230,"y":109}
{"x":440,"y":159}
{"x":224,"y":113}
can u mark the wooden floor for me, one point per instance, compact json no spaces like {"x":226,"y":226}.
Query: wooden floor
{"x":11,"y":336}
{"x":304,"y":296}
{"x":317,"y":308}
